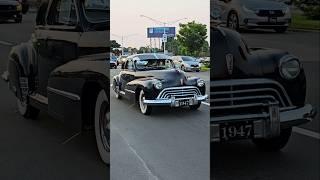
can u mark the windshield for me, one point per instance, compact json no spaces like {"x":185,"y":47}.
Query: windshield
{"x":187,"y":58}
{"x":154,"y":64}
{"x":96,"y":10}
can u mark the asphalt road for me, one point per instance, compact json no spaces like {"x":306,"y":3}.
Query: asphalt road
{"x":169,"y":144}
{"x":300,"y":159}
{"x":32,"y":150}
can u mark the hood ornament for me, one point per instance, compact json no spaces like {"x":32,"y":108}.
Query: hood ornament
{"x":181,"y":81}
{"x":230,"y":63}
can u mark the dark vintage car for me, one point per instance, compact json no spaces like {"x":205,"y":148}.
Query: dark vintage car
{"x":10,"y":10}
{"x":62,"y":70}
{"x":256,"y":93}
{"x":153,"y":80}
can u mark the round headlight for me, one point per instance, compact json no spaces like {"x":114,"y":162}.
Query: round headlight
{"x":158,"y":85}
{"x":200,"y":82}
{"x":289,"y":67}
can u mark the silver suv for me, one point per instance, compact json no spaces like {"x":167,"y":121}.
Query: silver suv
{"x":266,"y":14}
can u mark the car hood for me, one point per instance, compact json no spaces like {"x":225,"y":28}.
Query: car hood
{"x":261,"y":62}
{"x":191,"y":62}
{"x":263,"y":4}
{"x":171,"y":77}
{"x":8,"y":2}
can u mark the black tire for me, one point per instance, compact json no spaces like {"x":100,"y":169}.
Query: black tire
{"x":281,"y":29}
{"x":274,"y":144}
{"x":195,"y":107}
{"x":102,"y":126}
{"x":144,"y":109}
{"x":26,"y":110}
{"x":233,"y":21}
{"x":116,"y":89}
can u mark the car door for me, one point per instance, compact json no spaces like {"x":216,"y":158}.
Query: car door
{"x":127,"y":74}
{"x":56,"y":37}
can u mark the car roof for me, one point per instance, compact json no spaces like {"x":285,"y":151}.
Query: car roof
{"x":149,"y":56}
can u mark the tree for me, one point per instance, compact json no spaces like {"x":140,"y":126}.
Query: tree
{"x":114,"y":44}
{"x":192,"y":38}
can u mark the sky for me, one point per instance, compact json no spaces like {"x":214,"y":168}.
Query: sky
{"x":126,"y":17}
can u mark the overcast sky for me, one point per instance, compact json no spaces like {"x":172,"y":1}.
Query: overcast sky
{"x":126,"y":20}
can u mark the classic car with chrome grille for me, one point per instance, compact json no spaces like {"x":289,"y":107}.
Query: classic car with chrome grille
{"x":255,"y":93}
{"x":153,"y":80}
{"x":63,"y":70}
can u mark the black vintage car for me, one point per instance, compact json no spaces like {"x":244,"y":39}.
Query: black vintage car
{"x":11,"y":10}
{"x":256,"y":93}
{"x":152,"y":80}
{"x":63,"y":69}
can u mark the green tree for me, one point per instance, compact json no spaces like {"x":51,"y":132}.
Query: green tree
{"x":192,"y":38}
{"x":114,"y":44}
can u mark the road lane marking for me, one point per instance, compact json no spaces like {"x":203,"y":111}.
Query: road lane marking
{"x":306,"y":132}
{"x":6,"y":43}
{"x":144,"y":164}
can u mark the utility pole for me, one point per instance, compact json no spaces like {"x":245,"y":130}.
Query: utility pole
{"x":123,"y":37}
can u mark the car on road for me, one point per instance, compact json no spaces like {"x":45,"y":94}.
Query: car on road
{"x":256,"y":93}
{"x":10,"y":10}
{"x":266,"y":14}
{"x":186,"y":63}
{"x":62,"y":70}
{"x":113,"y":62}
{"x":153,"y":80}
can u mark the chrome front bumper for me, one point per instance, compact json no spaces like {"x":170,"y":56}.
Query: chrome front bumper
{"x":174,"y":102}
{"x":265,"y":126}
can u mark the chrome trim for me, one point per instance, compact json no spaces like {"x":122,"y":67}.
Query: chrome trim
{"x":239,"y":82}
{"x":171,"y":101}
{"x":40,"y":98}
{"x":68,"y":95}
{"x":130,"y":91}
{"x":180,"y":91}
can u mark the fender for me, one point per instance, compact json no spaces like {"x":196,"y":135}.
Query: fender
{"x":67,"y":87}
{"x":22,"y":63}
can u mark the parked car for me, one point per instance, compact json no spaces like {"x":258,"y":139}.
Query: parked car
{"x":62,"y":70}
{"x":25,"y":6}
{"x":256,"y":93}
{"x":113,"y":62}
{"x":10,"y":10}
{"x":186,"y":63}
{"x":266,"y":14}
{"x":152,"y":80}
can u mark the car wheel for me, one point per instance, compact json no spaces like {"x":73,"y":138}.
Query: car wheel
{"x":274,"y":144}
{"x":102,"y":126}
{"x":116,"y":89}
{"x":145,"y":109}
{"x":281,"y":29}
{"x":233,"y":21}
{"x":195,"y":107}
{"x":26,"y":110}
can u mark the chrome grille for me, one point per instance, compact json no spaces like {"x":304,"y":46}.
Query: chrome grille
{"x":245,"y":96}
{"x":179,"y":92}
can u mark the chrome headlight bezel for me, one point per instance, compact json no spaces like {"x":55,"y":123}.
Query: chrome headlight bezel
{"x":200,"y":82}
{"x":157,"y":84}
{"x":289,"y":67}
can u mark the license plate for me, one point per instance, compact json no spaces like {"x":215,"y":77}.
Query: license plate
{"x":273,"y":20}
{"x":184,"y":102}
{"x":236,"y":130}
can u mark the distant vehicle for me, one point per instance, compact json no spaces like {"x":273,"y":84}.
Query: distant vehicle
{"x":265,"y":14}
{"x":122,"y":59}
{"x":113,"y":62}
{"x":186,"y":63}
{"x":153,"y":80}
{"x":10,"y":10}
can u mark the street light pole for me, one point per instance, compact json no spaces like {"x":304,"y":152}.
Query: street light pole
{"x":122,"y":37}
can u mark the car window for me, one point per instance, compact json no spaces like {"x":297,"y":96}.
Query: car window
{"x":62,"y":12}
{"x":187,"y":58}
{"x":96,"y":10}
